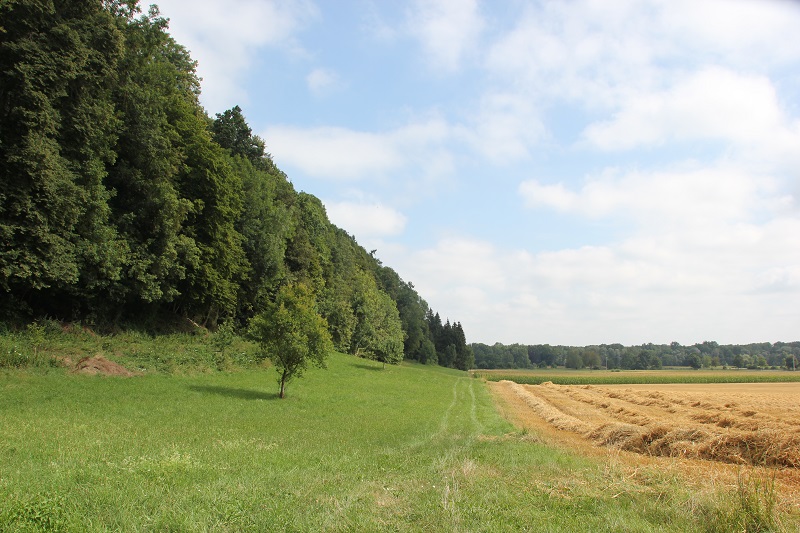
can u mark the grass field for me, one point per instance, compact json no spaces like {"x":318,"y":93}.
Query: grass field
{"x":353,"y":448}
{"x":561,"y":376}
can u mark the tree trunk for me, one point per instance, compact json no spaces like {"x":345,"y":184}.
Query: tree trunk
{"x":283,"y":385}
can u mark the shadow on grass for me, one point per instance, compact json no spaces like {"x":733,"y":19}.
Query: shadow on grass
{"x":365,"y":366}
{"x":242,"y":394}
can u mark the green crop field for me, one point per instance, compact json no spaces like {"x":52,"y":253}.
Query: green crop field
{"x":352,"y":448}
{"x":630,"y":377}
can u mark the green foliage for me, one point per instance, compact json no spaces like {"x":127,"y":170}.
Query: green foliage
{"x":378,"y":332}
{"x":265,"y":224}
{"x":28,"y":349}
{"x":291,"y":333}
{"x":574,"y":361}
{"x":231,"y":131}
{"x":57,"y":126}
{"x":121,"y":201}
{"x":222,"y":339}
{"x":694,"y":361}
{"x":211,"y":285}
{"x":336,"y":306}
{"x":449,"y":342}
{"x":648,"y":356}
{"x":308,"y":252}
{"x":562,"y":377}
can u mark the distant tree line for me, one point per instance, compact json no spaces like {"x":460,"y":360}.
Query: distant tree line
{"x":123,"y":202}
{"x":707,"y":354}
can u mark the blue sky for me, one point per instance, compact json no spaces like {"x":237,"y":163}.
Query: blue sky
{"x":573,"y":172}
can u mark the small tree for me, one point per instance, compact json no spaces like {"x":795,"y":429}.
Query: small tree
{"x":291,"y":333}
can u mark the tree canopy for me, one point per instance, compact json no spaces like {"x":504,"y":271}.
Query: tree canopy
{"x":122,"y":201}
{"x":643,"y":357}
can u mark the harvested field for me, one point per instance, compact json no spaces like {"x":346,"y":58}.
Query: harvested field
{"x":743,"y":424}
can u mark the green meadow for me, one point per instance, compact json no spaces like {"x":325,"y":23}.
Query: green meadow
{"x":352,"y":448}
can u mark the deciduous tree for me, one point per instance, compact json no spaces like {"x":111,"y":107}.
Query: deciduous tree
{"x":291,"y":333}
{"x":378,"y":333}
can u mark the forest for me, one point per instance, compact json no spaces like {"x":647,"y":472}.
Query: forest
{"x":648,"y":356}
{"x":124,"y":204}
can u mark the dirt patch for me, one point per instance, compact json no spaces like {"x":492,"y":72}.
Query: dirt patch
{"x":99,"y":365}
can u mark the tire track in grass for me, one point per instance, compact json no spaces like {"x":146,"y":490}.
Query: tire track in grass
{"x":448,"y":412}
{"x":463,"y":388}
{"x":474,"y":408}
{"x":444,"y":452}
{"x":385,"y":493}
{"x":454,"y":465}
{"x":424,"y":439}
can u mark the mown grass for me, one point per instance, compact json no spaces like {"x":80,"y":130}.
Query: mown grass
{"x":353,"y":448}
{"x":637,"y":377}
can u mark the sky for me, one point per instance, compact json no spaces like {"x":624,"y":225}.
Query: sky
{"x":544,"y":172}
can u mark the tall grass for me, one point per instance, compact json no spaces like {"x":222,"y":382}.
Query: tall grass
{"x":28,"y":348}
{"x":49,"y":344}
{"x":751,"y":507}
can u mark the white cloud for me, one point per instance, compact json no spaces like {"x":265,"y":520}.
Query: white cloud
{"x":713,"y":103}
{"x":682,"y":197}
{"x":555,"y":196}
{"x":593,"y":52}
{"x":742,"y":32}
{"x":649,"y":287}
{"x":447,"y":29}
{"x":601,"y":53}
{"x":333,"y":153}
{"x":710,"y":252}
{"x":321,"y":81}
{"x":344,"y":154}
{"x":366,"y":219}
{"x":225,"y":37}
{"x":505,"y":128}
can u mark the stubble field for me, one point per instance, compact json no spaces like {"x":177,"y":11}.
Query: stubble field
{"x":749,"y":425}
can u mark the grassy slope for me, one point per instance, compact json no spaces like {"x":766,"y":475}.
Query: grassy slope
{"x":352,"y":448}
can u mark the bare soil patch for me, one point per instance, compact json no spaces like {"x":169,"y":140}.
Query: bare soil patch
{"x":99,"y":365}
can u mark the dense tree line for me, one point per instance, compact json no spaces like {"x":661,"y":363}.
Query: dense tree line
{"x":122,"y":201}
{"x":645,"y":357}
